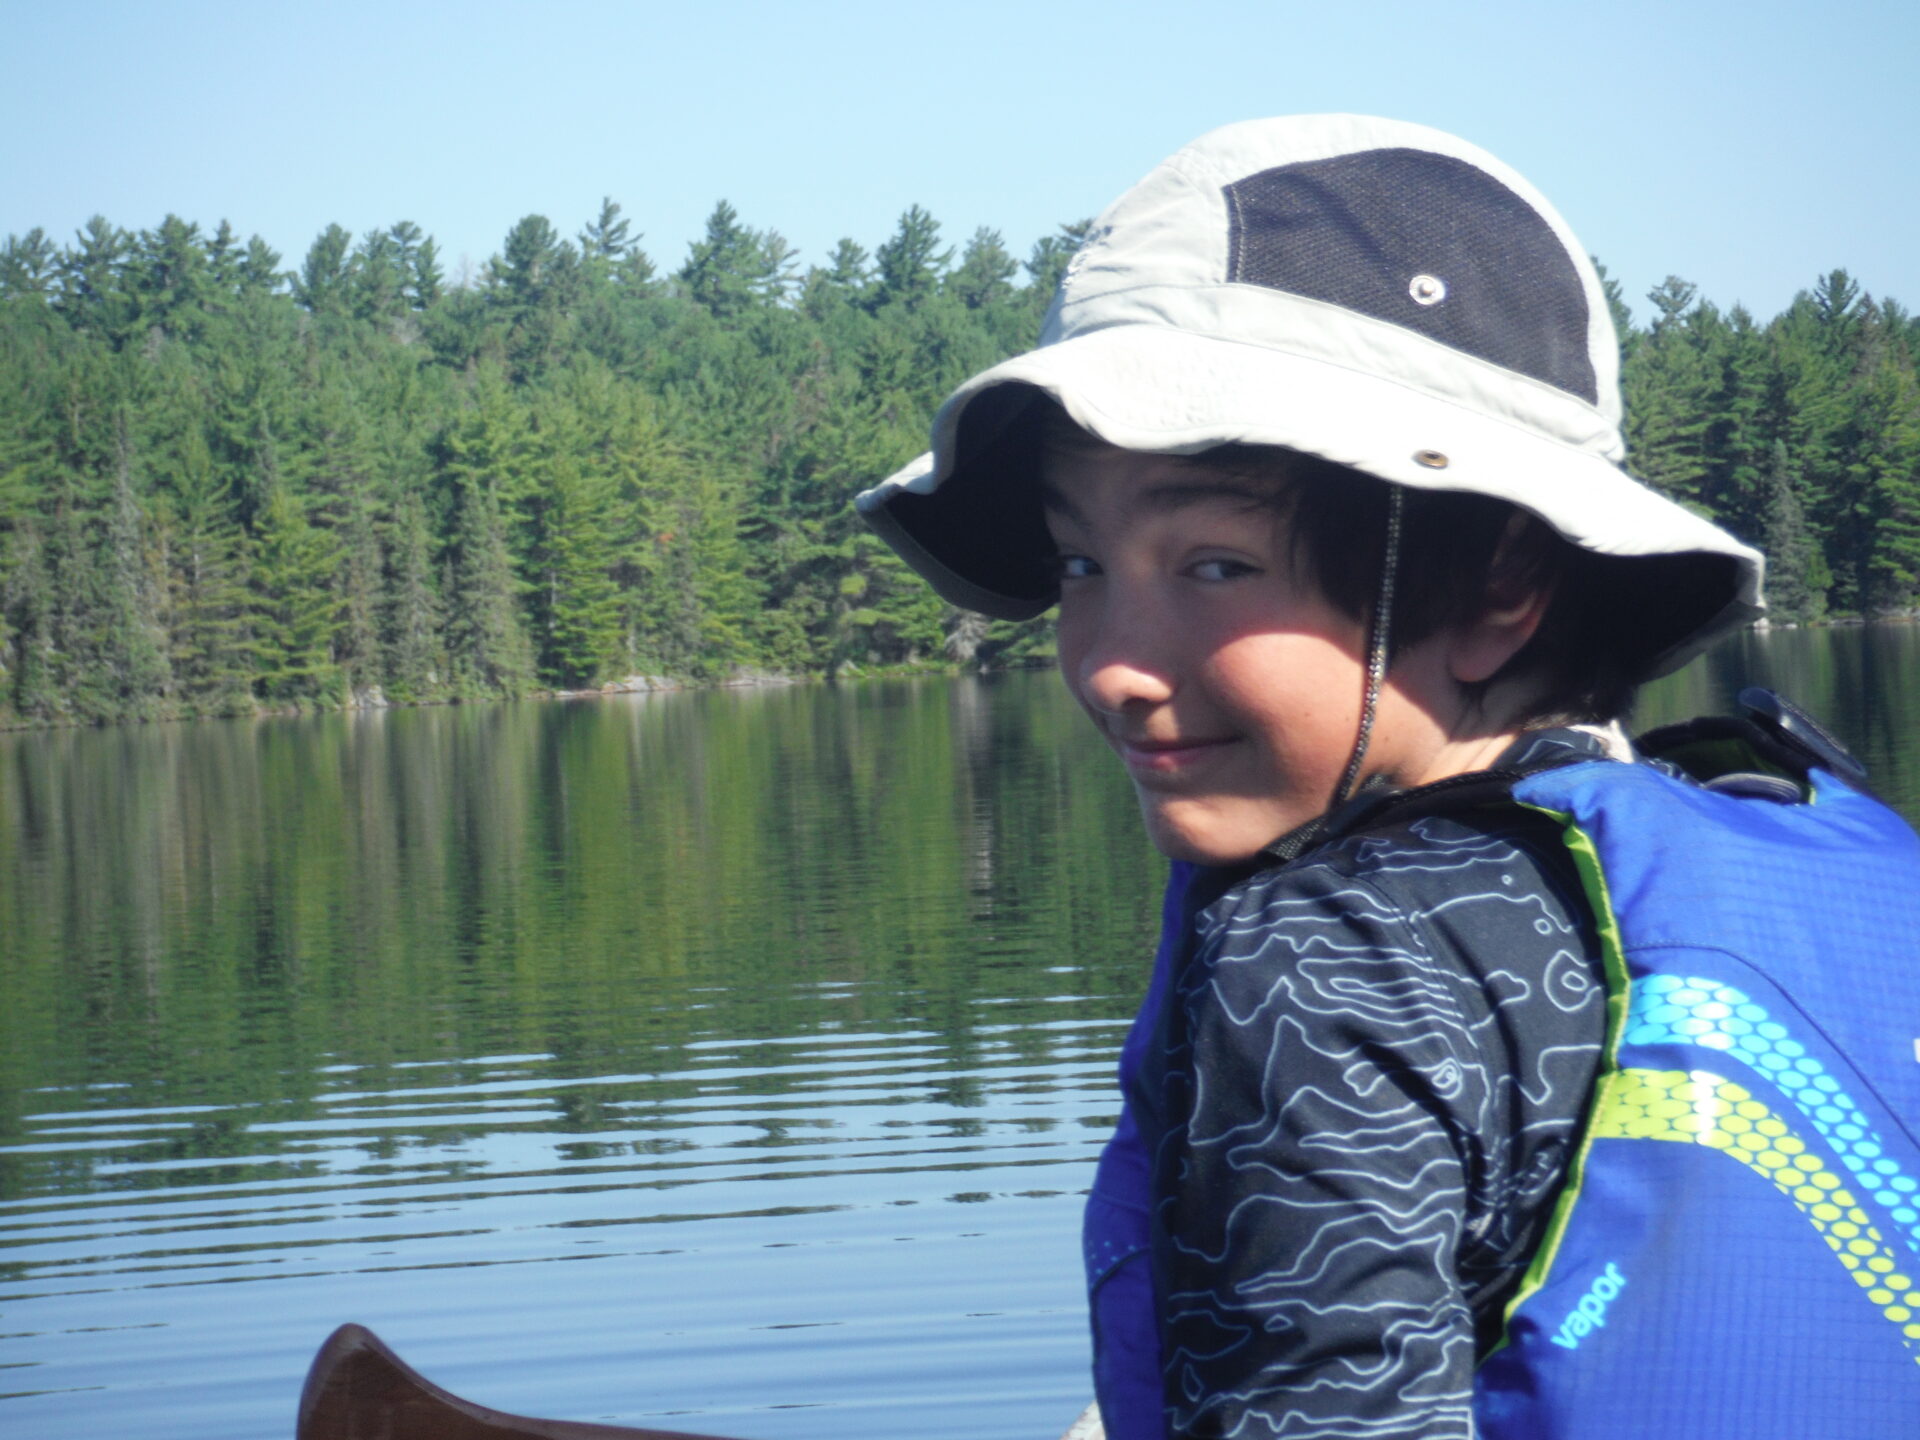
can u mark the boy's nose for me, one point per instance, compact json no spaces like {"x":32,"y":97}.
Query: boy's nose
{"x":1115,"y":678}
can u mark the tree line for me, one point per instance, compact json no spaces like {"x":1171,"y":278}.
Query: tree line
{"x":227,"y":485}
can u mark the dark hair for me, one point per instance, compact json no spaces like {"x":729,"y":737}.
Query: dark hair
{"x":1608,"y":618}
{"x":1583,"y":662}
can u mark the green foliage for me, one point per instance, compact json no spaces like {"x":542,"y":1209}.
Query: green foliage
{"x":1617,"y":306}
{"x":985,"y":276}
{"x":485,"y":462}
{"x":93,"y":291}
{"x":486,"y":636}
{"x":533,"y":289}
{"x":322,"y":286}
{"x":732,"y":269}
{"x":911,"y":262}
{"x":574,"y":601}
{"x":1802,"y":436}
{"x":131,"y":654}
{"x":223,"y":485}
{"x":32,"y":676}
{"x":611,"y":252}
{"x":1797,"y":576}
{"x":416,"y":666}
{"x":1047,"y":264}
{"x":293,"y":612}
{"x":207,"y":562}
{"x":27,"y":265}
{"x":1668,"y":392}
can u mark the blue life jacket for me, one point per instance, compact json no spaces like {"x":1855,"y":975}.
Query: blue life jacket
{"x":1114,"y":1235}
{"x":1736,"y":1251}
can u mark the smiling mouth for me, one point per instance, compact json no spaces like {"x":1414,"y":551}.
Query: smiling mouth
{"x":1166,"y":757}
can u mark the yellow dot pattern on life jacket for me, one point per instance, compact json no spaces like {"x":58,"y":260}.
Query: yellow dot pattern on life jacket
{"x":1702,"y":1108}
{"x":1671,"y":1009}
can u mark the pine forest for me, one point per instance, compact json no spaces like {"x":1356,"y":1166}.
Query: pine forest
{"x":227,"y":485}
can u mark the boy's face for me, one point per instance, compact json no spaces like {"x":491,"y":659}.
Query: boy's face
{"x":1230,"y":687}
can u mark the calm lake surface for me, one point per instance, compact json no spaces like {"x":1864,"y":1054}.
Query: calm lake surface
{"x":729,"y":1061}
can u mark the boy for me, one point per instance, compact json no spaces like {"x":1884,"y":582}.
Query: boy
{"x":1319,"y":456}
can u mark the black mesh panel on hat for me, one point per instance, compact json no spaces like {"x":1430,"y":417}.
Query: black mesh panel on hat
{"x":1359,"y":230}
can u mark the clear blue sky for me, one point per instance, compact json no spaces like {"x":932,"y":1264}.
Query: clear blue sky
{"x":1748,"y":147}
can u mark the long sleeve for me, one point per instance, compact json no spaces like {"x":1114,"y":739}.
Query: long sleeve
{"x":1366,"y":1087}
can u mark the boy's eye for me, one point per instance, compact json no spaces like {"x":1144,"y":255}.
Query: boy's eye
{"x":1219,"y":568}
{"x":1074,"y":567}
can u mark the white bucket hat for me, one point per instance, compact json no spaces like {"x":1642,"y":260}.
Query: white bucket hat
{"x":1376,"y":293}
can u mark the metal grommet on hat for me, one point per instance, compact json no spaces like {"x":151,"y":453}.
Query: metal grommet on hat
{"x":1374,"y":293}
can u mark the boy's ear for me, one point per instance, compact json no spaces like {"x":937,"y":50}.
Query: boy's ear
{"x":1516,"y":602}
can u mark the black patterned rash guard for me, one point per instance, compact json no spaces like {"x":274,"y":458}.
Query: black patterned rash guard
{"x":1366,"y":1085}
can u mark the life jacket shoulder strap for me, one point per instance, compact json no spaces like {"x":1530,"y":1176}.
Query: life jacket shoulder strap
{"x":1770,"y":749}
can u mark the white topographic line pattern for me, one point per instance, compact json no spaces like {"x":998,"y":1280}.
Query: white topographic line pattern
{"x":1396,"y":1040}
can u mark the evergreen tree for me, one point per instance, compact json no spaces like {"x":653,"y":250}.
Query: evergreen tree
{"x":1667,"y":390}
{"x":415,"y":667}
{"x":377,"y":277}
{"x":136,"y":678}
{"x":77,"y":679}
{"x":1742,"y":424}
{"x":911,"y":262}
{"x":224,"y":257}
{"x":533,"y":286}
{"x":1836,"y":302}
{"x":1047,"y":264}
{"x":91,"y":292}
{"x":1820,"y":423}
{"x":357,"y":587}
{"x":985,"y":276}
{"x":33,"y":681}
{"x":27,"y":265}
{"x":533,"y":269}
{"x":293,"y":609}
{"x":417,"y":259}
{"x":1796,"y":574}
{"x":611,"y":255}
{"x":733,"y":269}
{"x":1887,"y":499}
{"x":710,"y":568}
{"x":322,"y":287}
{"x":340,"y":500}
{"x":1617,"y":309}
{"x":577,"y":608}
{"x":645,"y":474}
{"x":260,"y":272}
{"x":849,"y":267}
{"x":607,"y":238}
{"x":167,"y":274}
{"x":486,"y":639}
{"x":208,"y":636}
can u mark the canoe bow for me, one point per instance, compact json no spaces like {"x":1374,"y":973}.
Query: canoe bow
{"x":358,"y":1389}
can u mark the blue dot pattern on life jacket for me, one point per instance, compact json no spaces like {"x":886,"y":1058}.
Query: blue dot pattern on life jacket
{"x":1675,"y":1010}
{"x":1737,"y":1248}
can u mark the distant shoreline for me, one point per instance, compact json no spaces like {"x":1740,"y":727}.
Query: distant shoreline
{"x":370,"y":701}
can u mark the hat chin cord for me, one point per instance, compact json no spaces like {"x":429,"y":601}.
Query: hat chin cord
{"x":1379,"y":630}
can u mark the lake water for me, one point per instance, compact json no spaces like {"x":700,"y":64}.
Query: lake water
{"x":728,"y":1061}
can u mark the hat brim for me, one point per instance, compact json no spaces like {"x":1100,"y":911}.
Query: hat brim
{"x":1170,"y":391}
